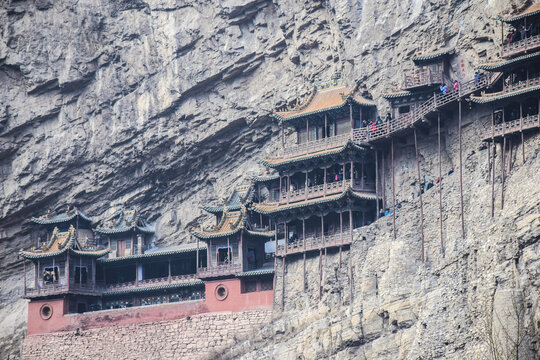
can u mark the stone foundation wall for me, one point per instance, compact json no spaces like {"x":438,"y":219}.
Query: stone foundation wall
{"x":196,"y":337}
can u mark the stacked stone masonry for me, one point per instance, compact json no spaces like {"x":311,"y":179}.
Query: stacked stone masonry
{"x":197,"y":337}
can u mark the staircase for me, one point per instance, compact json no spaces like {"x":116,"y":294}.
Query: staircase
{"x":370,"y":134}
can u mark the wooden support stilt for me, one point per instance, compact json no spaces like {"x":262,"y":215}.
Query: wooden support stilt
{"x":377,"y":180}
{"x":24,"y":269}
{"x":502,"y":171}
{"x":341,"y":235}
{"x":523,"y":146}
{"x":393,"y":193}
{"x":461,"y":173}
{"x":420,"y":198}
{"x":351,"y":283}
{"x":493,"y":165}
{"x":383,"y":185}
{"x":320,"y":274}
{"x":283,"y":284}
{"x":509,"y":155}
{"x":304,"y":239}
{"x":440,"y":181}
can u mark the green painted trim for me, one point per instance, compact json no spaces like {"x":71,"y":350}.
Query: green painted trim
{"x":433,"y":56}
{"x":348,"y":145}
{"x":501,"y":65}
{"x":153,"y":254}
{"x":488,"y":99}
{"x":517,"y":17}
{"x":255,"y":272}
{"x":62,"y":218}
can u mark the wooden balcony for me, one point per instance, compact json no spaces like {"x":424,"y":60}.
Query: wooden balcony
{"x":332,"y":188}
{"x":293,"y":150}
{"x":59,"y":289}
{"x":510,"y":127}
{"x":219,"y":270}
{"x":178,"y":279}
{"x":518,"y":47}
{"x":312,"y":243}
{"x":421,"y":78}
{"x":519,"y":85}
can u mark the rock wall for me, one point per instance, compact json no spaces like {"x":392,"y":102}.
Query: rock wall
{"x":198,"y":337}
{"x":164,"y":104}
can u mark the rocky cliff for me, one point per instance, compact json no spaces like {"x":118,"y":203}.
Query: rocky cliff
{"x":164,"y":104}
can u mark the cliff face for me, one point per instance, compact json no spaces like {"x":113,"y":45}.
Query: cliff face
{"x":164,"y":104}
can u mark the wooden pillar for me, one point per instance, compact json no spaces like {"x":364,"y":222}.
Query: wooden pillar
{"x":280,"y":187}
{"x":322,"y":228}
{"x":362,"y":183}
{"x":351,"y":223}
{"x":510,"y":154}
{"x":209,"y":254}
{"x":461,"y":173}
{"x":440,"y":179}
{"x":306,"y":186}
{"x":341,"y":235}
{"x":240,"y":251}
{"x":521,"y":129}
{"x":320,"y":273}
{"x":282,"y":135}
{"x":197,"y":263}
{"x":351,"y":283}
{"x":289,"y":187}
{"x":136,"y":273}
{"x":324,"y":181}
{"x":325,"y":125}
{"x":393,"y":192}
{"x":24,"y":269}
{"x":170,"y":276}
{"x":352,"y":174}
{"x":420,"y":197}
{"x":94,"y":273}
{"x":307,"y":130}
{"x":377,"y":181}
{"x":37,"y":275}
{"x":67,"y":270}
{"x":343,"y":179}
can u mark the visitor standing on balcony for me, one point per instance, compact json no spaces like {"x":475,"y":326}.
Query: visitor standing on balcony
{"x":456,"y":85}
{"x":388,"y":117}
{"x":444,"y":89}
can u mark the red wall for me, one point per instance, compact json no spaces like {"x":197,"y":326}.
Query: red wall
{"x":59,"y":321}
{"x":235,"y":300}
{"x":89,"y":320}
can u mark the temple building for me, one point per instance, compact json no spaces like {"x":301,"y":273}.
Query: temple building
{"x":239,"y":260}
{"x":514,"y":94}
{"x":325,"y":184}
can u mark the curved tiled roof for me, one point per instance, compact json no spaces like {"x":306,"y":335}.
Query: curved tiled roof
{"x":277,"y":162}
{"x":231,"y":223}
{"x":152,"y":288}
{"x":275,"y":208}
{"x":532,"y":10}
{"x":432,"y":55}
{"x":324,"y":100}
{"x":396,"y":94}
{"x":59,"y":243}
{"x":262,"y":179}
{"x":499,"y":65}
{"x":501,"y":95}
{"x":125,"y":221}
{"x":171,"y":250}
{"x":61,"y":218}
{"x":256,"y":272}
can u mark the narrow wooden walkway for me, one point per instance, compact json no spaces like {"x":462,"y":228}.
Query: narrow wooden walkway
{"x":495,"y":132}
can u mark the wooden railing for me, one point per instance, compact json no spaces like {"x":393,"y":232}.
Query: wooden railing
{"x":330,"y":188}
{"x":315,"y":243}
{"x":520,"y":46}
{"x":422,"y":78}
{"x":219,"y":270}
{"x":58,"y":288}
{"x":177,"y":279}
{"x":510,"y":127}
{"x":366,"y":135}
{"x":519,"y":85}
{"x":292,"y":150}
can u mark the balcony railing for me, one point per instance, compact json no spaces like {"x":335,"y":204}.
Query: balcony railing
{"x":219,"y":270}
{"x":422,"y":78}
{"x":177,"y":279}
{"x":326,"y":143}
{"x":509,"y":127}
{"x":519,"y":85}
{"x":331,"y":188}
{"x":517,"y":47}
{"x":315,"y":243}
{"x":62,"y":288}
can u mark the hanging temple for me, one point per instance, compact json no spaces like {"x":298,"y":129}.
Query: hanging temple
{"x":312,"y":197}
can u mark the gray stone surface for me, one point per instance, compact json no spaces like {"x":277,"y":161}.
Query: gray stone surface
{"x":164,"y":104}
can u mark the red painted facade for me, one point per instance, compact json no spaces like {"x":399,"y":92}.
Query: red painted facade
{"x":59,"y":319}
